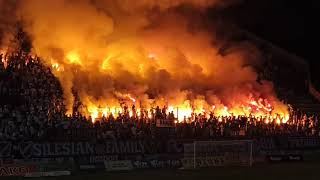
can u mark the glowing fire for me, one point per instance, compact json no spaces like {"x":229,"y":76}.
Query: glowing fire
{"x":57,"y":67}
{"x":186,"y":112}
{"x":181,"y":112}
{"x":4,"y":60}
{"x":152,"y":56}
{"x":73,"y":58}
{"x":147,"y":54}
{"x":94,"y":113}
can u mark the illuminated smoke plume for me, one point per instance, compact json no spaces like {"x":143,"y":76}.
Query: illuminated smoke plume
{"x":7,"y":22}
{"x":146,"y":53}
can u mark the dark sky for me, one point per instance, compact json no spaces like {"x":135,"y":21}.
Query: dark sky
{"x":289,"y":24}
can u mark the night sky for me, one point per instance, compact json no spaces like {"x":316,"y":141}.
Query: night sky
{"x":289,"y":24}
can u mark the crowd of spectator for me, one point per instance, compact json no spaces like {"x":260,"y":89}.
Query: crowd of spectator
{"x":31,"y":107}
{"x":29,"y":95}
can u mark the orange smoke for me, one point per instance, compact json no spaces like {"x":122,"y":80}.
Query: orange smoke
{"x":146,"y":54}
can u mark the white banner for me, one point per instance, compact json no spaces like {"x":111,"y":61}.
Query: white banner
{"x":48,"y":174}
{"x":124,"y":165}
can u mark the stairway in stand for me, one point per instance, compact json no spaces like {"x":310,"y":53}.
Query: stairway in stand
{"x":304,"y":102}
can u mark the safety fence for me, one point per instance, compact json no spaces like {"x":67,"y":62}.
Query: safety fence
{"x":37,"y":159}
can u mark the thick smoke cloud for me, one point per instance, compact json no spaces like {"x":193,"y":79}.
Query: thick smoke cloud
{"x":153,"y":51}
{"x":7,"y":21}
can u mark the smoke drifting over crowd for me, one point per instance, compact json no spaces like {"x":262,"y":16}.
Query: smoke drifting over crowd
{"x":145,"y":53}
